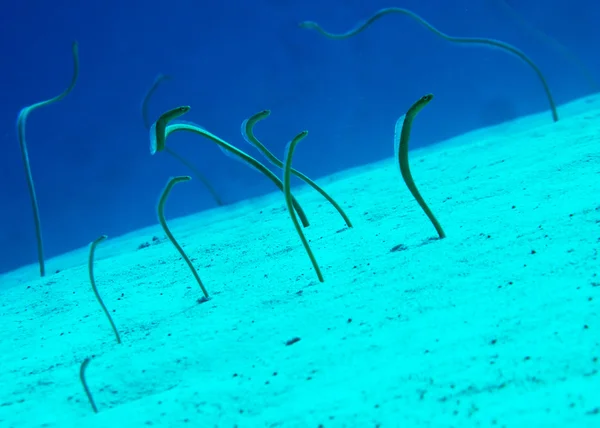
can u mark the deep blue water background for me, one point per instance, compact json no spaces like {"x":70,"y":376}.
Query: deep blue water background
{"x":230,"y":59}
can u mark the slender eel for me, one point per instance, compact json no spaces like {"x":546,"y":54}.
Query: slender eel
{"x":548,"y":40}
{"x":88,"y":393}
{"x":248,"y":134}
{"x":158,"y":136}
{"x":464,"y":40}
{"x":145,"y":116}
{"x":287,"y":174}
{"x":21,"y":124}
{"x":401,"y":138}
{"x":93,"y":246}
{"x":162,"y":132}
{"x":146,"y":101}
{"x":163,"y":222}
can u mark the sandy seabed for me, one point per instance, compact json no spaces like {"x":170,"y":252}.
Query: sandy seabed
{"x":496,"y":325}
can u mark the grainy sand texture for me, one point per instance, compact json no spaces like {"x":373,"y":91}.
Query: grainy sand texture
{"x":496,"y":325}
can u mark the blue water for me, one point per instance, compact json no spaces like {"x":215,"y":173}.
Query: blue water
{"x":229,"y":59}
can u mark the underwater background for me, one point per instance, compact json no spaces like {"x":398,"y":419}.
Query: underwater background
{"x":229,"y":59}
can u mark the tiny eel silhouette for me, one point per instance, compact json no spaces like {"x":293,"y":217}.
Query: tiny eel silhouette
{"x":361,"y":26}
{"x":287,"y":174}
{"x":401,"y":137}
{"x":21,"y":125}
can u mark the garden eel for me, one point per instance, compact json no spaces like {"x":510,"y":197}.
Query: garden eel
{"x":21,"y":123}
{"x":548,"y":40}
{"x":93,"y":245}
{"x":158,"y":136}
{"x":248,"y":134}
{"x":146,"y":101}
{"x":162,"y":129}
{"x":361,"y":26}
{"x":82,"y":368}
{"x":163,"y":222}
{"x":287,"y":174}
{"x":401,"y":137}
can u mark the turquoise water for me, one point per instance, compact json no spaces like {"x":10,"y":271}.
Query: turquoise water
{"x":307,"y":286}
